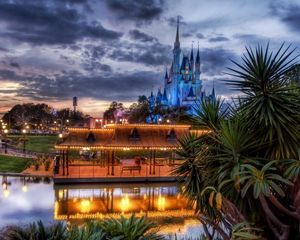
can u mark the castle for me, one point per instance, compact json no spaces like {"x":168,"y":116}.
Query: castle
{"x":182,"y":83}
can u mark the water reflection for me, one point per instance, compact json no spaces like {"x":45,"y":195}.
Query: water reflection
{"x":29,"y":199}
{"x":25,"y":200}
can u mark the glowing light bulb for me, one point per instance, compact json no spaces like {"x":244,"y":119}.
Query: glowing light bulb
{"x":161,"y":203}
{"x":25,"y":188}
{"x":6,"y":193}
{"x":125,"y":204}
{"x":85,"y":206}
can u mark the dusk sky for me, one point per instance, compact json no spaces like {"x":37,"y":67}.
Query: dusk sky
{"x":102,"y":51}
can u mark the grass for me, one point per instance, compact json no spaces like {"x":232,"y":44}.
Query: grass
{"x":40,"y":144}
{"x":13,"y":164}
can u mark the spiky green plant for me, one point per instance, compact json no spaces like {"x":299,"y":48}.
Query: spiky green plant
{"x":131,"y":228}
{"x":268,"y":106}
{"x":209,"y":114}
{"x":37,"y":231}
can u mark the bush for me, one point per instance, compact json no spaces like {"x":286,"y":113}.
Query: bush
{"x":121,"y":229}
{"x":47,"y":164}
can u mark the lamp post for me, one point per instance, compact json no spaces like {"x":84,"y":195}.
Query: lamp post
{"x":5,"y":132}
{"x":61,"y":123}
{"x":24,"y":139}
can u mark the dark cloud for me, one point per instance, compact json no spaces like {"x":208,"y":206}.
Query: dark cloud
{"x":218,"y":39}
{"x":14,"y":65}
{"x":140,"y":36}
{"x":186,"y":35}
{"x":142,"y":11}
{"x":215,"y":60}
{"x":92,"y":58}
{"x":38,"y":23}
{"x":155,"y":54}
{"x":251,"y":39}
{"x":172,"y":21}
{"x":121,"y":86}
{"x":288,"y":14}
{"x":200,"y":36}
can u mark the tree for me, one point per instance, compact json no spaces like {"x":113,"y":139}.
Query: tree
{"x":238,"y":173}
{"x":108,"y":114}
{"x":139,"y":111}
{"x":131,"y":228}
{"x":28,"y":113}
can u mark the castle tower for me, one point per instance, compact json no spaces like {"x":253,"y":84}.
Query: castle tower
{"x":192,"y":64}
{"x":176,"y":51}
{"x":197,"y":65}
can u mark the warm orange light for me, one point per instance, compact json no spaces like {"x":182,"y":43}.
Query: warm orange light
{"x":125,"y":204}
{"x":5,"y":193}
{"x":85,"y":206}
{"x":60,"y":194}
{"x":161,"y":203}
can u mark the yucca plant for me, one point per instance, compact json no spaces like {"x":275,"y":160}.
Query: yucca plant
{"x":209,"y":114}
{"x":131,"y":228}
{"x":37,"y":231}
{"x":267,"y":104}
{"x":89,"y":231}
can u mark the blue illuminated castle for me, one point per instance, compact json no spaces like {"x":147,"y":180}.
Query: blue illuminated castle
{"x":182,"y":83}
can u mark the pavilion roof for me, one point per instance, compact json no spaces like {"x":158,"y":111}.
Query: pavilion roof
{"x":125,"y":137}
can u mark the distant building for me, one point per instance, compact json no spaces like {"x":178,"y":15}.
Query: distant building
{"x":182,"y":82}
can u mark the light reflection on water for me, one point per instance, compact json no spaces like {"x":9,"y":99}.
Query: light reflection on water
{"x":24,"y":200}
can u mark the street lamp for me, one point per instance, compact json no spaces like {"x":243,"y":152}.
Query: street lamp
{"x":5,"y":132}
{"x":24,"y":140}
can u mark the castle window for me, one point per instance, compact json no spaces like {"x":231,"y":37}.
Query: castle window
{"x":91,"y":138}
{"x":134,"y":135}
{"x":171,"y":136}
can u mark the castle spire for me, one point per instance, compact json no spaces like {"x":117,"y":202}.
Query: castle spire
{"x":166,"y":75}
{"x":177,"y":43}
{"x":192,"y":53}
{"x":198,"y":56}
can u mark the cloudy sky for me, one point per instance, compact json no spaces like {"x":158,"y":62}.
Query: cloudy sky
{"x":100,"y":51}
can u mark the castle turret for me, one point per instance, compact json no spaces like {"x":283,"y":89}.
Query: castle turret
{"x":164,"y":98}
{"x":192,"y":60}
{"x":158,"y":97}
{"x":176,"y":51}
{"x":197,"y":65}
{"x":166,"y":77}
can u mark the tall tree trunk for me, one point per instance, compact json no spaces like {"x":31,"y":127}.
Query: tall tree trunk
{"x":280,"y":207}
{"x":281,"y":230}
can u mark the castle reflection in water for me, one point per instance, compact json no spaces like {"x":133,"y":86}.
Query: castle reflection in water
{"x":161,"y":203}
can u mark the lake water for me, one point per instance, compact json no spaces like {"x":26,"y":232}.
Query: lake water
{"x":24,"y":200}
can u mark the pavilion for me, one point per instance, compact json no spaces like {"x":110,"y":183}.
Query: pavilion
{"x":120,"y":152}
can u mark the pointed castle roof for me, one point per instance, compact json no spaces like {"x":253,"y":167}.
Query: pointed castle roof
{"x":198,"y":56}
{"x":177,"y":43}
{"x":191,"y":92}
{"x":192,"y":54}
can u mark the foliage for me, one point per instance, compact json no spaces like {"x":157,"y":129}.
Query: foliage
{"x":39,"y":114}
{"x":246,"y":168}
{"x":139,"y":111}
{"x":108,"y":114}
{"x":132,"y":228}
